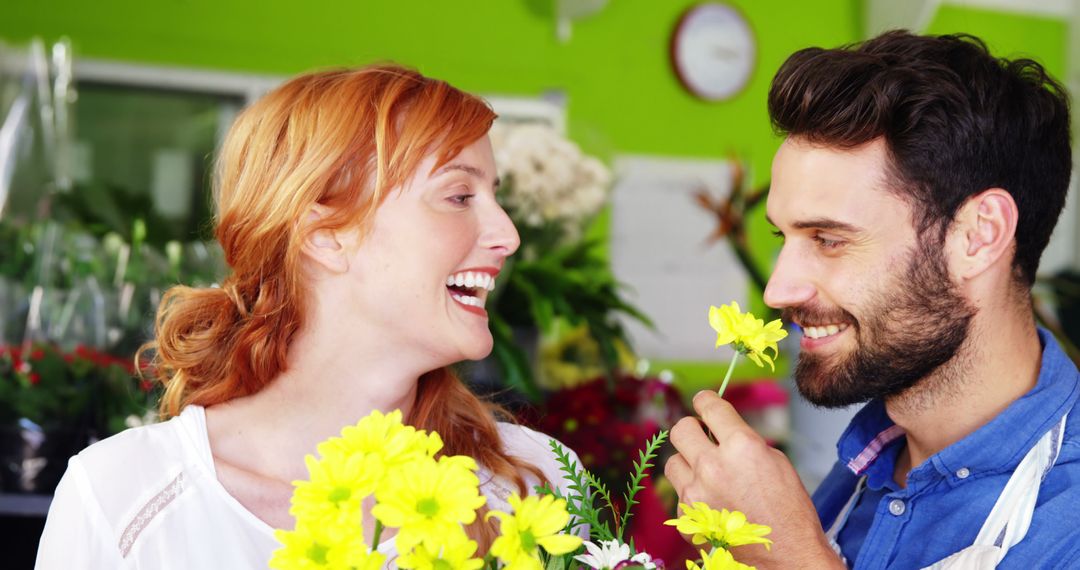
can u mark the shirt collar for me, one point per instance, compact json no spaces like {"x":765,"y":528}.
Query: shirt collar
{"x":997,"y":446}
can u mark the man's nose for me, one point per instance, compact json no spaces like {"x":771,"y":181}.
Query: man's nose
{"x":789,"y":285}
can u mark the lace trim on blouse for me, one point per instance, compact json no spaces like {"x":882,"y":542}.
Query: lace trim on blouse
{"x":148,"y":512}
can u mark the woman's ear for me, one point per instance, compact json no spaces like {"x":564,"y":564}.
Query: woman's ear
{"x":984,"y":232}
{"x":322,"y":245}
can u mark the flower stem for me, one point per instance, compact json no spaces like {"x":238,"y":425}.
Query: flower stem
{"x":730,"y":369}
{"x":378,"y":534}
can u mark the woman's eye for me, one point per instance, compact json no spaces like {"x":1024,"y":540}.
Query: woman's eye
{"x":461,"y":199}
{"x":778,"y":234}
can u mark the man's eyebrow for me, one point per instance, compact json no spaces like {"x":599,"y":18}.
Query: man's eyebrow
{"x":826,"y":224}
{"x":466,"y":168}
{"x":821,"y":224}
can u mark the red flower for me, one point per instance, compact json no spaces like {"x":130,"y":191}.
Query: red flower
{"x":35,"y":378}
{"x":37,"y":354}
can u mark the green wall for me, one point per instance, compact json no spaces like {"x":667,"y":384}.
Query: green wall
{"x":1011,"y":35}
{"x":614,"y":70}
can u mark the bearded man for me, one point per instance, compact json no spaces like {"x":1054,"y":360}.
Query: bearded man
{"x":917,"y":187}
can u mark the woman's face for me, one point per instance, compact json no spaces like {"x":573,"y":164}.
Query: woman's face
{"x":435,"y":247}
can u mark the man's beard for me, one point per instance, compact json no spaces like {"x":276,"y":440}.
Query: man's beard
{"x":910,"y":329}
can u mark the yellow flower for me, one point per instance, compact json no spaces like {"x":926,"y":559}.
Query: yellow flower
{"x":429,"y":499}
{"x":316,"y":548}
{"x":337,"y":485}
{"x":749,"y":334}
{"x":719,"y":559}
{"x":453,"y":551}
{"x":721,"y":528}
{"x":385,"y":436}
{"x":536,"y":522}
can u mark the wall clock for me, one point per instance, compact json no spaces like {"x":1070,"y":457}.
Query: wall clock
{"x":713,"y":51}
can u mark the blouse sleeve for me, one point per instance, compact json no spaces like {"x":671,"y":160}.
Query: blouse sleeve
{"x":77,"y":534}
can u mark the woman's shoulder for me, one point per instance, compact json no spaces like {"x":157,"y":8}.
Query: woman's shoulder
{"x":139,"y":449}
{"x":124,"y":469}
{"x":536,"y":448}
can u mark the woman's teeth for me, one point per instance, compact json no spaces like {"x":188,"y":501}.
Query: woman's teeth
{"x":468,"y":300}
{"x":471,"y":280}
{"x":823,"y":331}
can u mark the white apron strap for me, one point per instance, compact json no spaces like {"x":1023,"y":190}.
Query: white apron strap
{"x":842,"y":517}
{"x":1010,"y":517}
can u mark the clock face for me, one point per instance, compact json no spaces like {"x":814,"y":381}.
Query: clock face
{"x":713,"y":51}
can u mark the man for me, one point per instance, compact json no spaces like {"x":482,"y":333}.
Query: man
{"x":916,"y":190}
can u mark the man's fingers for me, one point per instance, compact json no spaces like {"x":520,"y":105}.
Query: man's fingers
{"x":690,"y":440}
{"x":678,"y":471}
{"x":718,"y":415}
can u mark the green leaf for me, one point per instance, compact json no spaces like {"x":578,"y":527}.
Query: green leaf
{"x":643,"y":463}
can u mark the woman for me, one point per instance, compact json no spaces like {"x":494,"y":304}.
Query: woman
{"x":357,"y":212}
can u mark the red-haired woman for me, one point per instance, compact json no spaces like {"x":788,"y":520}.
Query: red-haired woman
{"x":357,"y":211}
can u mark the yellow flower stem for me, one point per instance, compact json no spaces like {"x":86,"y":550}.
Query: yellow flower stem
{"x":730,"y":369}
{"x":378,"y":534}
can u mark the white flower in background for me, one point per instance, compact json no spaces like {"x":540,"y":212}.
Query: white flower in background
{"x":605,"y":556}
{"x":548,"y":179}
{"x":643,"y":559}
{"x":611,"y":554}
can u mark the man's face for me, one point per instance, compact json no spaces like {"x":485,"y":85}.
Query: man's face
{"x":876,"y":303}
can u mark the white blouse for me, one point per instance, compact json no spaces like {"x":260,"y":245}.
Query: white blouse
{"x":149,"y":498}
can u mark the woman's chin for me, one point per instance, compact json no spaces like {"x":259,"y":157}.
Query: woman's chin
{"x":480,"y":350}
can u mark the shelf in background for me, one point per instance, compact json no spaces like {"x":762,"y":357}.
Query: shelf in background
{"x":12,"y":504}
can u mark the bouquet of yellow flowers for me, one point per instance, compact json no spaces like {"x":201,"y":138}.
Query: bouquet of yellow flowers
{"x":429,"y":498}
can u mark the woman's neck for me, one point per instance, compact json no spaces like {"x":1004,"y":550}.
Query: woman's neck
{"x":328,"y":384}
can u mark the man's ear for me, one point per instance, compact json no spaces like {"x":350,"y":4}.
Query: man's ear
{"x":983,"y":232}
{"x":324,"y":246}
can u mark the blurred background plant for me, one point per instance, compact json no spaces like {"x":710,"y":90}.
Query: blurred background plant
{"x":82,"y":269}
{"x":560,"y":279}
{"x":608,"y":422}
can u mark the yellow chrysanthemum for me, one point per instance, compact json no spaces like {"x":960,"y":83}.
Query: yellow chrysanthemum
{"x":723,"y":528}
{"x":385,"y":436}
{"x":335,"y":490}
{"x":719,"y":559}
{"x":315,"y":548}
{"x":536,"y":522}
{"x":453,"y":551}
{"x":429,"y":499}
{"x":749,"y":334}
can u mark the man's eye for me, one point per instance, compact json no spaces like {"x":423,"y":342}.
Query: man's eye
{"x":778,"y":234}
{"x":828,"y":243}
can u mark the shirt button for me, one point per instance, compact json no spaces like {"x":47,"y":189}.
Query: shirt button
{"x":963,"y":472}
{"x":896,"y":507}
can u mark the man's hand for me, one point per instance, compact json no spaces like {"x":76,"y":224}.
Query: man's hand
{"x":741,"y":472}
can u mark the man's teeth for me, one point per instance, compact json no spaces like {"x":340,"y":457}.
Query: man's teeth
{"x":471,"y":279}
{"x":824,"y":330}
{"x":468,"y":300}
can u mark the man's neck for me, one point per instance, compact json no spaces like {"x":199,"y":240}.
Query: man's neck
{"x":998,"y":364}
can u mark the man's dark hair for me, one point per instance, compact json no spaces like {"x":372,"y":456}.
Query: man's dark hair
{"x":955,"y":120}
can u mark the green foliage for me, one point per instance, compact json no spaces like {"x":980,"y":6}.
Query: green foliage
{"x":644,"y":462}
{"x":571,"y":282}
{"x":585,"y":488}
{"x":83,"y":388}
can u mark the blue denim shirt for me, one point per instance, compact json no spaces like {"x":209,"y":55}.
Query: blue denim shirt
{"x":949,"y":496}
